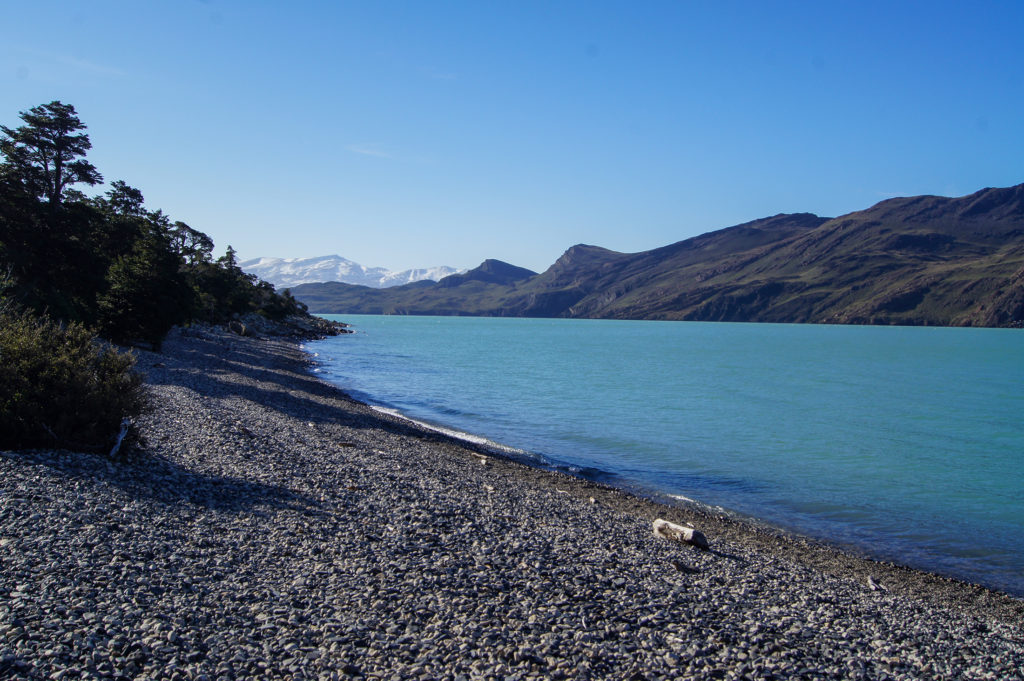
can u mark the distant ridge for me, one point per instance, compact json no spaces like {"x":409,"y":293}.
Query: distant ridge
{"x":490,"y":272}
{"x":289,"y":272}
{"x":923,"y":260}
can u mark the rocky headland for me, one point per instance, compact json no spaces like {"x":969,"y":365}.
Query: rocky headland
{"x":270,"y":527}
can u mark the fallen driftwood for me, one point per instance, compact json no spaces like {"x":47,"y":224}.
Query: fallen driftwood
{"x":680,"y":533}
{"x":125,"y":425}
{"x":235,"y":326}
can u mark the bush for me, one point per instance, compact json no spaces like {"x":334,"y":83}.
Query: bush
{"x":60,"y":388}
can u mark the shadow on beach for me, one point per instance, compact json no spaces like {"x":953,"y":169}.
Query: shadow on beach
{"x":141,"y":475}
{"x":281,"y":383}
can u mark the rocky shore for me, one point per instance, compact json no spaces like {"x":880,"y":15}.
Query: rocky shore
{"x":271,"y":527}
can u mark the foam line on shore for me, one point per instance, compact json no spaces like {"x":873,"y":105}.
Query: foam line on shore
{"x":458,"y":434}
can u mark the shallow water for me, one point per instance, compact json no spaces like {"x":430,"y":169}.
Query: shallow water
{"x":907,"y":443}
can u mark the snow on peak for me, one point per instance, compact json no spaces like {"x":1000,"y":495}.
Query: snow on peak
{"x":287,"y":272}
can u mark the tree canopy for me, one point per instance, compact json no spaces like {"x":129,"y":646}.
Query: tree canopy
{"x":47,"y":154}
{"x":107,"y":261}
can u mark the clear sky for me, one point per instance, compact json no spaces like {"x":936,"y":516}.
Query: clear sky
{"x":412,"y":134}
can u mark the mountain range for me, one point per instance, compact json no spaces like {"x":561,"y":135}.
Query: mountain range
{"x":288,"y":272}
{"x":923,"y":260}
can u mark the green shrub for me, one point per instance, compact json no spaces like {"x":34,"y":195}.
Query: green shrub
{"x":60,"y":388}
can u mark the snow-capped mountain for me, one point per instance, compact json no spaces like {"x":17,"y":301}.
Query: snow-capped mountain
{"x":286,"y":272}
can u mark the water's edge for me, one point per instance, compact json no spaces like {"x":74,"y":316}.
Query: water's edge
{"x":643,"y":488}
{"x":638,"y":489}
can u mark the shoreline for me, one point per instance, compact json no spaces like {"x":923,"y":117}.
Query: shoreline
{"x":273,"y":526}
{"x":844,"y":560}
{"x":861,"y":539}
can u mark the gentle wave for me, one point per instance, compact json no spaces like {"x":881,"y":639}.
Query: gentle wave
{"x":512,"y":452}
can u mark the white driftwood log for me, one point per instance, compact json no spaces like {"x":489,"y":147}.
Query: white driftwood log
{"x":680,"y":533}
{"x":125,"y":424}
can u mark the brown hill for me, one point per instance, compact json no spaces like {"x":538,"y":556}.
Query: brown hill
{"x":919,"y":260}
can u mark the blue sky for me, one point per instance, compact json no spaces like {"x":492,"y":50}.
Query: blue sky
{"x":408,"y":134}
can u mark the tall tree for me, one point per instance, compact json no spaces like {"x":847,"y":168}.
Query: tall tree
{"x":190,"y":244}
{"x":229,"y":260}
{"x":47,"y":153}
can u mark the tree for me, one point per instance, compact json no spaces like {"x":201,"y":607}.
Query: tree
{"x":49,"y":253}
{"x":229,"y":260}
{"x":191,"y":245}
{"x":47,"y":153}
{"x":123,"y":199}
{"x":146,"y":293}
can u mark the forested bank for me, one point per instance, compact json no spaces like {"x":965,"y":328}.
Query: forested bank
{"x":75,"y":269}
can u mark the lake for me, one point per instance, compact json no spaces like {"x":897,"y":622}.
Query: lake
{"x":904,"y":443}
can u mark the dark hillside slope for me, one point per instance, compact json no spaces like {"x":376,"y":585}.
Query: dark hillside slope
{"x":489,"y":272}
{"x":479,"y":291}
{"x":919,"y":260}
{"x":648,"y":285}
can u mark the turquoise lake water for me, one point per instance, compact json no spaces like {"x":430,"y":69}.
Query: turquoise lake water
{"x":904,"y":442}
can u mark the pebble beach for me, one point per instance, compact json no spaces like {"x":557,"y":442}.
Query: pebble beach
{"x":268,"y":526}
